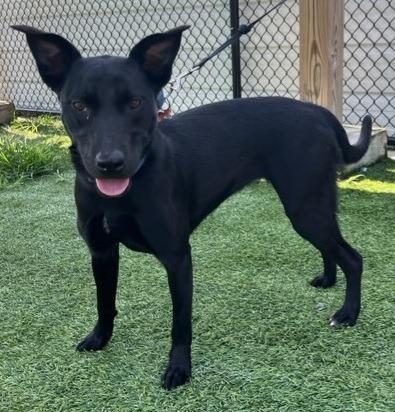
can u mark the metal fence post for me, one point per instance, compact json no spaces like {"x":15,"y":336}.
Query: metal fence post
{"x":236,"y":70}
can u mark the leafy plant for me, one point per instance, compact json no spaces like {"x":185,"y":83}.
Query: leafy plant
{"x":32,"y":147}
{"x":42,"y":124}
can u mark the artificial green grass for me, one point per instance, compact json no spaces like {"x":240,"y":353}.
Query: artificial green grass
{"x":261,"y":336}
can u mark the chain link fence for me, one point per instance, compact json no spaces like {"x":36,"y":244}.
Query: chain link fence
{"x":269,"y":55}
{"x":369,"y":62}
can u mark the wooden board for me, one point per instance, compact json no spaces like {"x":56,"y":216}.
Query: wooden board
{"x":321,"y":53}
{"x":7,"y":111}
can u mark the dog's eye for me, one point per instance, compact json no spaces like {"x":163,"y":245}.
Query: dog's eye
{"x":134,"y":103}
{"x":80,"y":106}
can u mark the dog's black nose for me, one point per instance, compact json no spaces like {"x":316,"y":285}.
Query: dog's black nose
{"x":110,"y":161}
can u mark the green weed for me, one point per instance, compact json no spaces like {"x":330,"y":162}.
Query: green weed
{"x":32,"y":147}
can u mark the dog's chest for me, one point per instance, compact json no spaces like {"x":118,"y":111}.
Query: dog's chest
{"x":125,"y":230}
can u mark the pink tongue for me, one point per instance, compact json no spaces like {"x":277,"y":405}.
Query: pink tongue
{"x":112,"y":187}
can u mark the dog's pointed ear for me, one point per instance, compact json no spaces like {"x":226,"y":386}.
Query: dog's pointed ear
{"x":156,"y":54}
{"x":54,"y":55}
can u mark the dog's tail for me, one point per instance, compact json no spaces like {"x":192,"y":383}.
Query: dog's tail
{"x":353,"y":153}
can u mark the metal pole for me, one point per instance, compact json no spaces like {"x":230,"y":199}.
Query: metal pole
{"x":236,"y":70}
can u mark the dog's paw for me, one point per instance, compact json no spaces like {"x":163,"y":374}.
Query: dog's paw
{"x":178,"y":371}
{"x":176,"y":375}
{"x":344,"y":317}
{"x":322,"y":281}
{"x":94,"y":341}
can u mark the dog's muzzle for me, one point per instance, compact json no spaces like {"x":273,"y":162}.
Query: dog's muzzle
{"x":111,"y":164}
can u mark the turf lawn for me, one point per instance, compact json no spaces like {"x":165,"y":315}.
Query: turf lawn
{"x":261,"y":336}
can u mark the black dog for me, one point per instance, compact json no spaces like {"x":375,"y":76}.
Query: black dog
{"x":148,"y":185}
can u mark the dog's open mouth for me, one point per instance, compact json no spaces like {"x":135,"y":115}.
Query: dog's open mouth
{"x":113,"y":187}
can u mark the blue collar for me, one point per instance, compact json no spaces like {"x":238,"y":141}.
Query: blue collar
{"x":141,"y":162}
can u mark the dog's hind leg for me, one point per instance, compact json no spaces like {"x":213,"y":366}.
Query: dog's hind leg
{"x":328,"y":278}
{"x":105,"y":266}
{"x":310,"y":204}
{"x":328,"y":240}
{"x":314,"y":222}
{"x":351,"y":262}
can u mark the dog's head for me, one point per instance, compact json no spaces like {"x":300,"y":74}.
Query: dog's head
{"x":108,"y":103}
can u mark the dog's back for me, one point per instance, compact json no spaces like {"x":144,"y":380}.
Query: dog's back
{"x":221,"y":147}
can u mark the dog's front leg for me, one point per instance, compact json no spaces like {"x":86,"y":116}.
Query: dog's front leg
{"x":105,"y":266}
{"x":179,"y":270}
